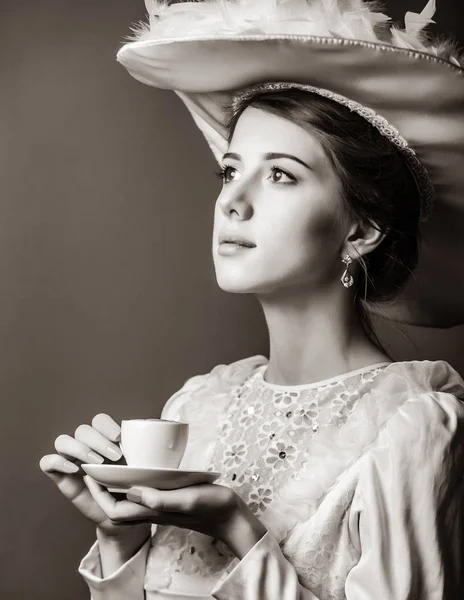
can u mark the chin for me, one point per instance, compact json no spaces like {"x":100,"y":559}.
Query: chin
{"x":235,"y":281}
{"x":237,"y":278}
{"x":240,"y":283}
{"x":235,"y":286}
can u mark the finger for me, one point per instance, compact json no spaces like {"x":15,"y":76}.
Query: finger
{"x":69,"y":482}
{"x":97,"y":442}
{"x":72,"y":449}
{"x":107,"y":426}
{"x":53,"y":464}
{"x":182,"y":500}
{"x":117,"y":510}
{"x":71,"y":485}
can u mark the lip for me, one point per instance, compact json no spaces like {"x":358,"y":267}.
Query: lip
{"x":234,"y":239}
{"x":229,"y":249}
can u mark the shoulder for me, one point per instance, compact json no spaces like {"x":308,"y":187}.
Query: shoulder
{"x":424,"y":435}
{"x":218,"y":382}
{"x":418,"y":399}
{"x":433,"y":400}
{"x":427,"y":421}
{"x":424,"y":375}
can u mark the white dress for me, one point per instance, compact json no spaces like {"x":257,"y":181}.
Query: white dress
{"x":358,"y":479}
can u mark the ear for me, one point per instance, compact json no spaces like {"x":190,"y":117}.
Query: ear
{"x":363,"y":238}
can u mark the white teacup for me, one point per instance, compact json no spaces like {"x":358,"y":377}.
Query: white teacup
{"x":153,"y":443}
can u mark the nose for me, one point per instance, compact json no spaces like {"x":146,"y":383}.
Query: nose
{"x":234,"y":201}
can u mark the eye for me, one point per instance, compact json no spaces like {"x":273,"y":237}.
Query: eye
{"x":280,"y":176}
{"x":227,"y":173}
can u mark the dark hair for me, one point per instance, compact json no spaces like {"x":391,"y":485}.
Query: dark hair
{"x":375,"y":183}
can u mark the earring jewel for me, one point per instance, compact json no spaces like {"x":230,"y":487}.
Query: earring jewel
{"x":347,"y":277}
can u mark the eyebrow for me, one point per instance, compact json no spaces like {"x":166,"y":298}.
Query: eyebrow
{"x":269,"y":156}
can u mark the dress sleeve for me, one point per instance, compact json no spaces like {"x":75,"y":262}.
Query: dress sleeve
{"x":407,"y":518}
{"x":124,"y":584}
{"x":263,"y":573}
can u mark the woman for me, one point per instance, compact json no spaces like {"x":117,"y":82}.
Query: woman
{"x":342,"y":470}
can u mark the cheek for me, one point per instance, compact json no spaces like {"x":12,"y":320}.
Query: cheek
{"x":306,"y":237}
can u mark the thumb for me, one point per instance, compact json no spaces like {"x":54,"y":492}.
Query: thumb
{"x":149,"y":497}
{"x":181,"y":500}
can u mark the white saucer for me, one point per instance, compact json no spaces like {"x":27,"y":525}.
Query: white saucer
{"x":119,"y":478}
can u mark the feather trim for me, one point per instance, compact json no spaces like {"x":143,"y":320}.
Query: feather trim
{"x":351,"y":19}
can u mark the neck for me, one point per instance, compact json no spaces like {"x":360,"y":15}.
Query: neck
{"x":315,"y":336}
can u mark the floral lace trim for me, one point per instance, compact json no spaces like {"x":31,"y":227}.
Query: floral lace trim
{"x":418,"y":171}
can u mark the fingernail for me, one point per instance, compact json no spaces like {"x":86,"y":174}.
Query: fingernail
{"x":95,"y":458}
{"x":134,"y":496}
{"x":115,"y":433}
{"x":70,"y":467}
{"x":114,"y":454}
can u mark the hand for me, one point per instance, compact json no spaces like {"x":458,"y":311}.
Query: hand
{"x":214,"y":510}
{"x":99,"y":439}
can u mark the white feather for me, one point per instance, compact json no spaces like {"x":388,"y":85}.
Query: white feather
{"x":352,"y":19}
{"x":415,"y":23}
{"x":401,"y":39}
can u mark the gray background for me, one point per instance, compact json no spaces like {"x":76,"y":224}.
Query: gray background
{"x":108,"y":299}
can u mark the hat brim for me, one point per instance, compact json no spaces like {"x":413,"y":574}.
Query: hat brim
{"x":421,"y":95}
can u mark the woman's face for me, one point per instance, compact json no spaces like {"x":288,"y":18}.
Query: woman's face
{"x":280,"y":193}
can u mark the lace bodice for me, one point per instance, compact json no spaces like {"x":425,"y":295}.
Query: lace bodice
{"x":292,"y":454}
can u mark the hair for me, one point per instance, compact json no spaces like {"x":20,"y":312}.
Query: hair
{"x":376,"y":186}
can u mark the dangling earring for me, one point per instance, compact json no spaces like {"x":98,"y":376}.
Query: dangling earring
{"x":347,"y":277}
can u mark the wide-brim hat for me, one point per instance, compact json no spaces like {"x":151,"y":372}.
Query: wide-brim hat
{"x":211,"y":53}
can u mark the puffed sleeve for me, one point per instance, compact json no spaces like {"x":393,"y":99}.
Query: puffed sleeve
{"x":407,"y":518}
{"x":263,"y":573}
{"x":127,"y":582}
